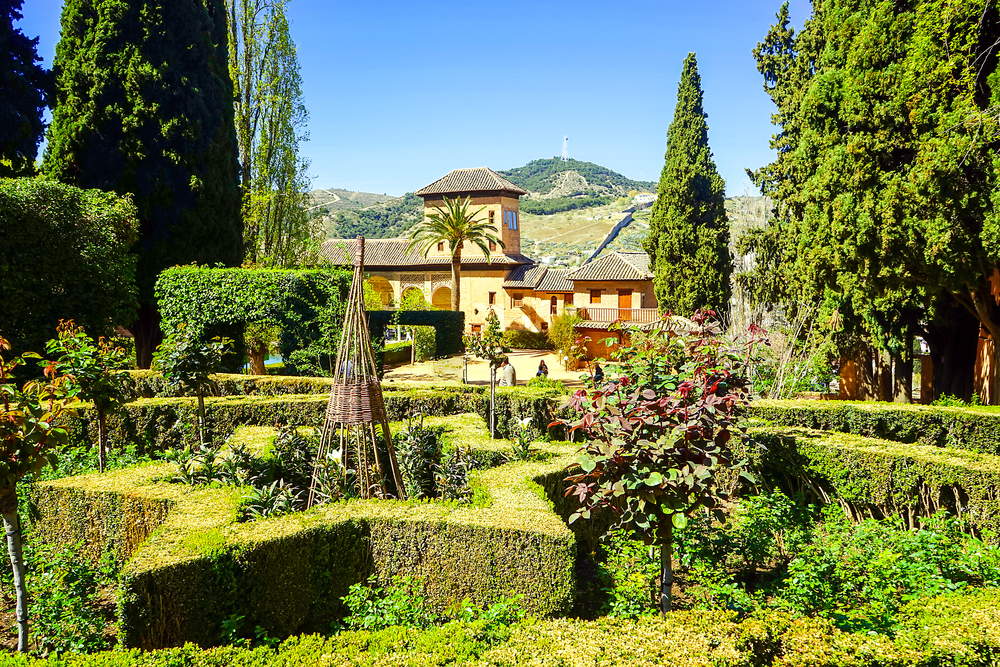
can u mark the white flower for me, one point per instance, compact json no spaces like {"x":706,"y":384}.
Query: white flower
{"x":524,"y":422}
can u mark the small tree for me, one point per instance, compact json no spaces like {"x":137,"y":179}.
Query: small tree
{"x":89,"y":371}
{"x":187,"y":362}
{"x":654,"y":457}
{"x":27,"y":437}
{"x":489,"y":346}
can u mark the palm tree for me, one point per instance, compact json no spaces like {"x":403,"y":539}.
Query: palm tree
{"x":456,"y":226}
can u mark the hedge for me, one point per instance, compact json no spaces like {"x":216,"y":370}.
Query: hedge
{"x":880,"y":478}
{"x":973,"y":428}
{"x":948,"y":630}
{"x":449,"y":326}
{"x":287,"y":574}
{"x":158,"y":424}
{"x":522,"y":339}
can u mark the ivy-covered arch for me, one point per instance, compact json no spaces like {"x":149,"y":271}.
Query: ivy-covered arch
{"x":307,"y":305}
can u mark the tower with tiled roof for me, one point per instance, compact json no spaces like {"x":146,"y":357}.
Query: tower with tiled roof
{"x":495,"y":195}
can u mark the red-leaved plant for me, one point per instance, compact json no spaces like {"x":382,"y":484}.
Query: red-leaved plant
{"x":657,"y":443}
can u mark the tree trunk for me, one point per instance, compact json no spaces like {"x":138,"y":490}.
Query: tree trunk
{"x":201,"y":418}
{"x":666,"y":567}
{"x":258,"y":354}
{"x":12,"y":526}
{"x":902,"y":367}
{"x":493,"y":401}
{"x":456,"y":275}
{"x":146,"y":332}
{"x":102,"y":439}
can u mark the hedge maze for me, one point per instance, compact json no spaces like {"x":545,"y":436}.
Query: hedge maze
{"x":190,"y":565}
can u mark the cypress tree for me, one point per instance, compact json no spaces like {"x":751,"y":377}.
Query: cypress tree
{"x":688,"y":240}
{"x":144,"y":106}
{"x":23,"y":95}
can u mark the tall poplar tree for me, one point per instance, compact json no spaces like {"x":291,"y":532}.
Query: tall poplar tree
{"x":24,"y":88}
{"x":144,"y":106}
{"x":270,"y":122}
{"x":688,"y":240}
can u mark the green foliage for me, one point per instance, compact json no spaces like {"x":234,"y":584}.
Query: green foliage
{"x":397,"y":604}
{"x":653,"y":456}
{"x":884,"y":184}
{"x":973,"y":429}
{"x":448,"y":327}
{"x":540,"y":176}
{"x":23,"y":96}
{"x":28,"y":429}
{"x":177,"y":160}
{"x":688,"y":242}
{"x":563,"y":336}
{"x":489,"y":345}
{"x":628,"y":571}
{"x":307,"y":306}
{"x":68,"y":258}
{"x":560,"y":204}
{"x":522,"y":339}
{"x":545,"y":382}
{"x":185,"y":361}
{"x":418,"y":450}
{"x":860,"y":576}
{"x":66,"y":609}
{"x":381,"y":221}
{"x":271,"y":120}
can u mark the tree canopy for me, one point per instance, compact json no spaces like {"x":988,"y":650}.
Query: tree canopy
{"x":688,"y":240}
{"x":885,"y":177}
{"x":64,"y":254}
{"x":24,"y":90}
{"x":144,"y":106}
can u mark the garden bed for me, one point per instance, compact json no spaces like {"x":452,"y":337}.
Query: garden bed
{"x":200,"y":566}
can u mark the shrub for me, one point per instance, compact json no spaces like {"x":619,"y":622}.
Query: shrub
{"x":563,"y":335}
{"x":517,"y":339}
{"x":67,"y":257}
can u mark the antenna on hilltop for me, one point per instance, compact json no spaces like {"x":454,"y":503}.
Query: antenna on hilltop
{"x":565,"y":154}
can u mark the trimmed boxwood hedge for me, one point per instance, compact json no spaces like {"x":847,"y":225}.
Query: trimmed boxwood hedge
{"x":974,"y":428}
{"x":948,"y":630}
{"x":157,"y":424}
{"x":199,"y":566}
{"x":879,"y":478}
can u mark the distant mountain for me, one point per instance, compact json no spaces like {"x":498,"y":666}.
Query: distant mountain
{"x":554,"y":186}
{"x":554,"y":177}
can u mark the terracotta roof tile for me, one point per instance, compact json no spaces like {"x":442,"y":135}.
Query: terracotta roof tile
{"x":615,"y":266}
{"x":525,"y":276}
{"x":480,"y":179}
{"x":555,"y":281}
{"x":393,"y":252}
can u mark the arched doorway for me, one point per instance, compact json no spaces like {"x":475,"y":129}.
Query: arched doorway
{"x":554,"y":306}
{"x":383,"y":289}
{"x":442,"y":298}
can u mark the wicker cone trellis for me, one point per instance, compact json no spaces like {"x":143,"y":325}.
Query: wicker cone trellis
{"x":356,"y":423}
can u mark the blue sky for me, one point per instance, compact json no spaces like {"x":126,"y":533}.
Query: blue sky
{"x":400,"y":93}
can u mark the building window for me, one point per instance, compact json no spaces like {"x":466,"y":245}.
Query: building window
{"x":518,"y":299}
{"x":491,"y":217}
{"x":595,"y":296}
{"x":554,"y":306}
{"x":510,"y":219}
{"x":545,"y":326}
{"x":440,"y":246}
{"x":493,"y":298}
{"x":477,"y":328}
{"x":493,"y":246}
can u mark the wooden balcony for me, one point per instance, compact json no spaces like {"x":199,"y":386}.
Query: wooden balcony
{"x":639,"y":315}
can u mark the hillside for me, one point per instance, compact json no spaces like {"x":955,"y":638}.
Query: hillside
{"x":580,"y":190}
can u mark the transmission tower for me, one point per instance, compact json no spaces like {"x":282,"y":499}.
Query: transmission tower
{"x":565,"y":154}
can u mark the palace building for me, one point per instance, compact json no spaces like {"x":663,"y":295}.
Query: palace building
{"x":524,"y":294}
